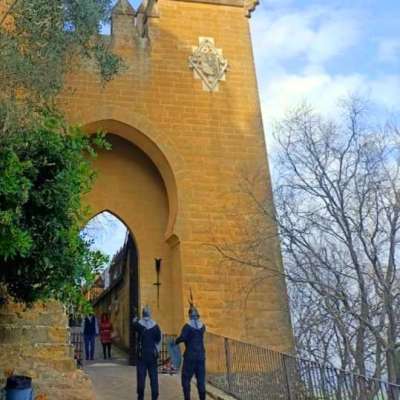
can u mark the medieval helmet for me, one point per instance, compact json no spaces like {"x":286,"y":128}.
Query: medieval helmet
{"x":193,"y":313}
{"x":146,"y":313}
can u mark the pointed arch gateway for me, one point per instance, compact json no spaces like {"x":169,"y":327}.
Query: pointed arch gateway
{"x":120,"y":279}
{"x":136,"y":184}
{"x":153,"y":152}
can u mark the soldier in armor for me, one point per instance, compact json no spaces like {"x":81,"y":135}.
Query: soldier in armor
{"x":194,"y":358}
{"x":148,"y":342}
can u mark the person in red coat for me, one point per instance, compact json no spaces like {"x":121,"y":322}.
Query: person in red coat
{"x":106,"y":329}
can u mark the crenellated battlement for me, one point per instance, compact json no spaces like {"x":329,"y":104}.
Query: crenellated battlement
{"x":125,"y":20}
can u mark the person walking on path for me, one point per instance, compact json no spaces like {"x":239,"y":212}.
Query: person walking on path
{"x":194,"y":358}
{"x":106,"y":330}
{"x":90,"y":331}
{"x":148,"y":342}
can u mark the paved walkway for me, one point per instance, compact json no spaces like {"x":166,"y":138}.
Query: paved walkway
{"x":115,"y":380}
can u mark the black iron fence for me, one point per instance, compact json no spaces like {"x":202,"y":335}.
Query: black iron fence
{"x":164,"y":356}
{"x":249,"y":372}
{"x":76,"y":340}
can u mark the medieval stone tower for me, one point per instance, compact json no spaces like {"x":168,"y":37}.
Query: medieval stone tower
{"x":184,"y":119}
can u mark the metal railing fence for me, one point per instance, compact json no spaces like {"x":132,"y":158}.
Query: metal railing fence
{"x":249,"y":372}
{"x":164,"y":356}
{"x":76,"y":340}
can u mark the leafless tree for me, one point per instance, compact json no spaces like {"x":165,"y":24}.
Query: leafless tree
{"x":337,"y":199}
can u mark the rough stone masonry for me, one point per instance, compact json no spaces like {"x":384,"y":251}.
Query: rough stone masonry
{"x":34,"y":342}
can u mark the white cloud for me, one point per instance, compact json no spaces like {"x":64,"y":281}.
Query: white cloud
{"x":322,"y":91}
{"x":317,"y":34}
{"x":295,"y":50}
{"x":333,"y":37}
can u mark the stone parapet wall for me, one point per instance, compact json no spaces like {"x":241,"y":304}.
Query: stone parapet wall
{"x":35,"y":342}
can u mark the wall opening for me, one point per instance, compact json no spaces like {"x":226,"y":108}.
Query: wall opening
{"x":116,"y":289}
{"x":134,"y":182}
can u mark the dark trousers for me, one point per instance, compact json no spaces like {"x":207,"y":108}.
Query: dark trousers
{"x":106,"y":349}
{"x":89,"y":346}
{"x":143,"y":367}
{"x":197,"y":368}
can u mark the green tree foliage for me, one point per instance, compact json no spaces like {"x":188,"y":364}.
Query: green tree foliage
{"x":45,"y":39}
{"x":43,"y":175}
{"x":45,"y":166}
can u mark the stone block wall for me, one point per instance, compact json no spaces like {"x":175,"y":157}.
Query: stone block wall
{"x":200,"y":142}
{"x":35,"y":342}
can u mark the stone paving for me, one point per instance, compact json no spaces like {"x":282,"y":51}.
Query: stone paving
{"x":115,"y":380}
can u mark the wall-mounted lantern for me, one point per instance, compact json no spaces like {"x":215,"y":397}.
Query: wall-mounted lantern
{"x":158,"y":283}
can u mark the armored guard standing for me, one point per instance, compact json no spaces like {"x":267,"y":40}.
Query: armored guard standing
{"x":194,"y":358}
{"x":148,"y":342}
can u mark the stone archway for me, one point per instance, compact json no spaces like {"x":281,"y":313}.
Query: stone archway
{"x":152,"y":150}
{"x":116,"y":290}
{"x":139,"y":187}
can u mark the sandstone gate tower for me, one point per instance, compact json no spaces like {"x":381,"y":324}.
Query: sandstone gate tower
{"x":184,"y":119}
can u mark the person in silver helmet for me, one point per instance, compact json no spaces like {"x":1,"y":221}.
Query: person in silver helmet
{"x":194,"y":358}
{"x":148,"y":342}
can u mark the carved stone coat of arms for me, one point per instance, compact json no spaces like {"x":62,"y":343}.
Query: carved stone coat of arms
{"x":208,"y":63}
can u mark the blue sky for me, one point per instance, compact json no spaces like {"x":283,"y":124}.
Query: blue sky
{"x":320,"y":51}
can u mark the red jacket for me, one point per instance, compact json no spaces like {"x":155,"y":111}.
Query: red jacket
{"x":106,"y":329}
